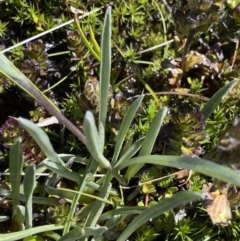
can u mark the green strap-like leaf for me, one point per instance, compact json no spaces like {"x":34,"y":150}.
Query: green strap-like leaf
{"x":94,"y":145}
{"x":92,"y":140}
{"x":216,"y":99}
{"x":29,"y":185}
{"x":127,"y":120}
{"x":79,"y":232}
{"x":15,"y":168}
{"x":26,"y":233}
{"x":105,"y":66}
{"x":158,"y":209}
{"x":42,"y":140}
{"x":149,"y":141}
{"x":205,"y":167}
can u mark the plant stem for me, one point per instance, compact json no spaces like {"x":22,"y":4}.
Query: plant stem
{"x":185,"y":52}
{"x":187,"y":48}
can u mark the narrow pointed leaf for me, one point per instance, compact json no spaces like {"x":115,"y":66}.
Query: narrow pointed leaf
{"x":216,"y":99}
{"x":29,"y":185}
{"x":41,"y":138}
{"x":92,"y":140}
{"x":15,"y":167}
{"x":79,"y":232}
{"x":26,"y":233}
{"x":158,"y":209}
{"x":203,"y":166}
{"x":127,"y":120}
{"x":105,"y":66}
{"x":131,"y":151}
{"x":149,"y":141}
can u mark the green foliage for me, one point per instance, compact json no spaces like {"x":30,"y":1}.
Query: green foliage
{"x":197,"y":182}
{"x":79,"y":76}
{"x":147,"y":188}
{"x":71,"y":107}
{"x":146,"y":233}
{"x":17,"y":54}
{"x":178,"y":133}
{"x":3,"y":28}
{"x":185,"y":230}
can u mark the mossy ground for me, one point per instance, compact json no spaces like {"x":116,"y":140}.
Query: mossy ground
{"x":61,"y":59}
